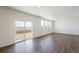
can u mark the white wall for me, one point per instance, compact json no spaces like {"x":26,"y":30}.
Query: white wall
{"x":68,"y":25}
{"x":7,"y":25}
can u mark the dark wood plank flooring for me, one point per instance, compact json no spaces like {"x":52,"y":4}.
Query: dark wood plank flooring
{"x":52,"y":43}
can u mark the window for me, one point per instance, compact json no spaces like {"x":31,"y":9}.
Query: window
{"x":19,"y":23}
{"x":28,"y":24}
{"x":49,"y":23}
{"x":46,"y":23}
{"x":42,"y":23}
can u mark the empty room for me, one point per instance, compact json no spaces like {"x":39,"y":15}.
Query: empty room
{"x":39,"y":29}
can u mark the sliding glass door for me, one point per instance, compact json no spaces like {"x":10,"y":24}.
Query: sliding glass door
{"x":23,"y":30}
{"x":19,"y":30}
{"x":28,"y":29}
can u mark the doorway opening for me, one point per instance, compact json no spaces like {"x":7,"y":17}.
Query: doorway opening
{"x":23,"y":30}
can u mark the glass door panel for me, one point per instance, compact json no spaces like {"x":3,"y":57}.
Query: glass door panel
{"x":28,"y":29}
{"x":19,"y":30}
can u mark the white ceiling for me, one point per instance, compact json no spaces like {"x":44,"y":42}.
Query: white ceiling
{"x":50,"y":12}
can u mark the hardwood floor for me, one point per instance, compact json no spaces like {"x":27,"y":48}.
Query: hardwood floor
{"x":53,"y":43}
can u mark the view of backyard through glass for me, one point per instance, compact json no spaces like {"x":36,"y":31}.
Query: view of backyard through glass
{"x":23,"y":30}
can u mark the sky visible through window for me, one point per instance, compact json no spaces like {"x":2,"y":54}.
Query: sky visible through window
{"x":22,"y":24}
